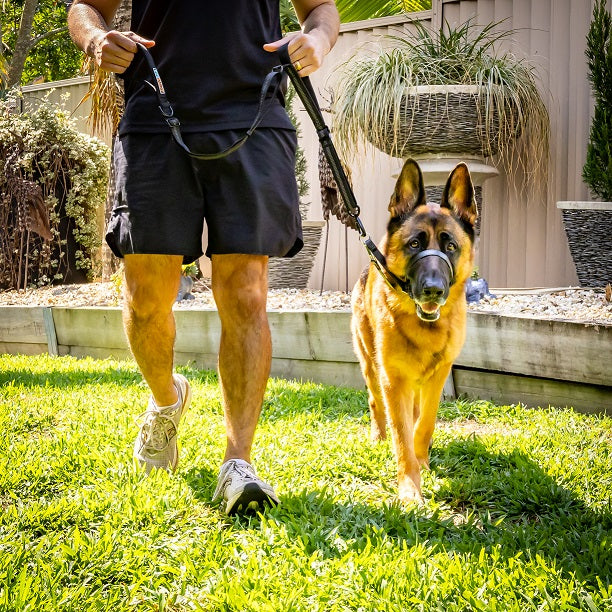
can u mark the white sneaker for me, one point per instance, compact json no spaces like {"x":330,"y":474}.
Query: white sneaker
{"x":156,"y":445}
{"x":241,"y":490}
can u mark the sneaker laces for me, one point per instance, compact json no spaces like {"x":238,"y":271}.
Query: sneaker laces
{"x":158,"y":428}
{"x":242,"y":469}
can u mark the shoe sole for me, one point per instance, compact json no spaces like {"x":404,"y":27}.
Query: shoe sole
{"x":250,"y":500}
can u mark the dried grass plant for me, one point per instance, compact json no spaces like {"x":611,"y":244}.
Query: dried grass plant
{"x":106,"y":97}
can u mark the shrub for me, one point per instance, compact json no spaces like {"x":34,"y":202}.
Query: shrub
{"x":597,"y":171}
{"x":52,"y":182}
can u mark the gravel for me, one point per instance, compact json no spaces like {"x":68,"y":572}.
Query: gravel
{"x":570,"y":303}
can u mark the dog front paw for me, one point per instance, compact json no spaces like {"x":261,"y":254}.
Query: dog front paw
{"x":424,"y":461}
{"x":410,"y":494}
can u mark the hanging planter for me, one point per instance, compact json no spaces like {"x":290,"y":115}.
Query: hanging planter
{"x":445,"y":92}
{"x":443,"y":119}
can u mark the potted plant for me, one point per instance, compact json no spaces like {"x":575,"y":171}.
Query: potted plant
{"x":444,"y":94}
{"x":588,"y":225}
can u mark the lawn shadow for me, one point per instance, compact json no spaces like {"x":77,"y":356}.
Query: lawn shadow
{"x":90,"y":372}
{"x":202,"y":482}
{"x":328,"y":403}
{"x":491,"y":500}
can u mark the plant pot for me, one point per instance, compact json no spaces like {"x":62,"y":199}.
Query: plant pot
{"x":444,"y":119}
{"x":588,"y":226}
{"x":294,"y":272}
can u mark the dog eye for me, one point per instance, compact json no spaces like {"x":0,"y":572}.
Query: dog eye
{"x":414,"y":244}
{"x":451,"y":246}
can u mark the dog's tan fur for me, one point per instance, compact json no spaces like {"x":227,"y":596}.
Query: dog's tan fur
{"x":405,"y":360}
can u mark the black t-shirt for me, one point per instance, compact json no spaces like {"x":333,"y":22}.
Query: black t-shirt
{"x":210,"y":56}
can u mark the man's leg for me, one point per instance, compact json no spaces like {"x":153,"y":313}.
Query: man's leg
{"x":151,"y":285}
{"x":240,"y":288}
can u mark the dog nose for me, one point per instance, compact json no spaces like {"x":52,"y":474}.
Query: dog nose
{"x":433,"y":289}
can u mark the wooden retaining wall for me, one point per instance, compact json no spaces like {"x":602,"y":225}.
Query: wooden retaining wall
{"x":506,"y":359}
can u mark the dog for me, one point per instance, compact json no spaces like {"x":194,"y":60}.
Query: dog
{"x":408,"y":331}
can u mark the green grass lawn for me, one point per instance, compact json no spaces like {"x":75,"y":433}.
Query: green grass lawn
{"x":518,"y":515}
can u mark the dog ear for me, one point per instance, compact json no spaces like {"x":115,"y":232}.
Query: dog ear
{"x":459,"y":194}
{"x":409,"y":190}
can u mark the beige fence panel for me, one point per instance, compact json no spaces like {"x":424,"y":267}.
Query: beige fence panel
{"x":68,"y":93}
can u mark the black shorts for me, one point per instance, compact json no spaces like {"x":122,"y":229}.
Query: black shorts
{"x":249,"y":199}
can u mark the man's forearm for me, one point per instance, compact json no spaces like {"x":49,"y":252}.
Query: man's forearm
{"x":323,"y":21}
{"x":86,"y":26}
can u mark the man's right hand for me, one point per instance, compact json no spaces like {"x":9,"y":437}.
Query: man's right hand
{"x":114,"y":51}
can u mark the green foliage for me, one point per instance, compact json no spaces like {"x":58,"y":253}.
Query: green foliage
{"x":43,"y":149}
{"x":190,"y":269}
{"x":597,"y":171}
{"x":52,"y":58}
{"x":518,"y":516}
{"x":359,"y":10}
{"x":356,"y":10}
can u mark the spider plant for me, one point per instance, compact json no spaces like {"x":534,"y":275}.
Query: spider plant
{"x":373,"y":93}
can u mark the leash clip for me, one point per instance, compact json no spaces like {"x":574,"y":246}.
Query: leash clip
{"x":168,"y":114}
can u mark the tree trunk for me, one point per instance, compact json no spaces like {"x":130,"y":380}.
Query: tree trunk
{"x":23,"y":43}
{"x":110,"y":263}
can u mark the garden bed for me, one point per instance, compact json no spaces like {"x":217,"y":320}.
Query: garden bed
{"x":554,"y":347}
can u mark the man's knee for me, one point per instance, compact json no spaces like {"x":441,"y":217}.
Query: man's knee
{"x":151,"y":285}
{"x":240,"y":284}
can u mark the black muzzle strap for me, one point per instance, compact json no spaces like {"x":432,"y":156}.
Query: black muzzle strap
{"x":433,"y":253}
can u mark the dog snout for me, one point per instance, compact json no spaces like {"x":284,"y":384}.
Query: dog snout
{"x":434,"y":290}
{"x":432,"y":287}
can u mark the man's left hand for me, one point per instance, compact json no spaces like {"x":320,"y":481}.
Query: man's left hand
{"x":306,"y":51}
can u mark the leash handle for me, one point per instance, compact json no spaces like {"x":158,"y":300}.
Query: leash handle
{"x":307,"y":95}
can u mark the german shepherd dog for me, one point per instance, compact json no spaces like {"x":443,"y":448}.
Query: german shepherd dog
{"x":406,"y":337}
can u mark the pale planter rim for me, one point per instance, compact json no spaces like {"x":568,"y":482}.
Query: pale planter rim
{"x":417,"y":90}
{"x":436,"y":167}
{"x":583,"y":205}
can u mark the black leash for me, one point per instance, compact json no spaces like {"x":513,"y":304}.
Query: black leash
{"x":305,"y":91}
{"x":274,"y":77}
{"x":307,"y":95}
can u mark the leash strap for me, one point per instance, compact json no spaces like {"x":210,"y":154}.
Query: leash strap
{"x":273,"y":78}
{"x":306,"y":93}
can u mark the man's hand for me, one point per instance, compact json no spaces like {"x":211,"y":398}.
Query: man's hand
{"x":320,"y":25}
{"x":114,"y":51}
{"x":306,"y":51}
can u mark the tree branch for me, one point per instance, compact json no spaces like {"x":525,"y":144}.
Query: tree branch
{"x":49,"y":34}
